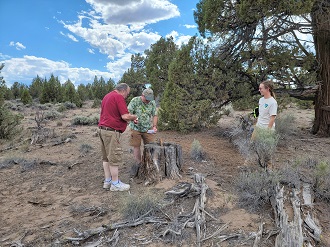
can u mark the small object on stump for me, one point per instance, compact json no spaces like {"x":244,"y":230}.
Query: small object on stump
{"x":160,"y":160}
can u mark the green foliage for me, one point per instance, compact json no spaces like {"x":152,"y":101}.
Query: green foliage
{"x":52,"y":115}
{"x":258,"y":41}
{"x":304,"y":104}
{"x":9,"y":123}
{"x":136,"y":206}
{"x":322,"y":180}
{"x":26,"y":97}
{"x":52,"y":91}
{"x":157,"y":62}
{"x":135,"y":76}
{"x":96,"y":103}
{"x":196,"y":151}
{"x":191,"y":99}
{"x":81,"y":120}
{"x":36,"y":87}
{"x":264,"y":145}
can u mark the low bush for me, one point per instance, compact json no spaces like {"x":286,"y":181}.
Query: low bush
{"x":196,"y":151}
{"x":254,"y":189}
{"x":136,"y":206}
{"x":80,"y":120}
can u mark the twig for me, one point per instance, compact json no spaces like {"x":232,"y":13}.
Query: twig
{"x":77,"y":163}
{"x":216,"y":232}
{"x":259,"y":235}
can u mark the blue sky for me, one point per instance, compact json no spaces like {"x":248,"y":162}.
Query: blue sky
{"x":81,"y":39}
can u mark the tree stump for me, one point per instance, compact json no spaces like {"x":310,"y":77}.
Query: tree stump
{"x":160,"y":160}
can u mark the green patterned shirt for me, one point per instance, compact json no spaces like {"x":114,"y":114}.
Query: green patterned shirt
{"x":145,"y":113}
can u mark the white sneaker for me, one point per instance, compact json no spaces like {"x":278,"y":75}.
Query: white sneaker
{"x":106,"y":185}
{"x":119,"y":186}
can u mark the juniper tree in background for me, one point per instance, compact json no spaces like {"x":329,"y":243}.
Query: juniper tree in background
{"x":189,"y":100}
{"x":9,"y":122}
{"x":263,"y":36}
{"x":26,"y":97}
{"x":135,"y":76}
{"x":51,"y":91}
{"x":35,"y":89}
{"x":158,"y":59}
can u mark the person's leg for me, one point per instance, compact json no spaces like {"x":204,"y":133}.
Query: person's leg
{"x":105,"y":163}
{"x":107,"y":171}
{"x":135,"y":142}
{"x":137,"y":154}
{"x":115,"y":153}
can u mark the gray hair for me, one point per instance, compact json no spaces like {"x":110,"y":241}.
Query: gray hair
{"x":121,"y":87}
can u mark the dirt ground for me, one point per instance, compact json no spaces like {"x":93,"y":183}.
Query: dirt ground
{"x":52,"y":191}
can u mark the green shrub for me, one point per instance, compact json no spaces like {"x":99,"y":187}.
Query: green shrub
{"x":9,"y":123}
{"x":196,"y":151}
{"x":264,"y":144}
{"x":52,"y":114}
{"x":80,"y":120}
{"x":96,"y":103}
{"x":322,"y":180}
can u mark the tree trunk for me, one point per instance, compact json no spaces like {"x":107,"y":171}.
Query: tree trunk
{"x":160,"y":160}
{"x":321,"y":31}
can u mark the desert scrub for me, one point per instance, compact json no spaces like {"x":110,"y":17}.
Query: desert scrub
{"x":196,"y":151}
{"x":254,"y":189}
{"x":52,"y":114}
{"x":322,"y":180}
{"x":135,"y":206}
{"x":80,"y":120}
{"x":9,"y":123}
{"x":264,"y":144}
{"x":285,"y":126}
{"x":85,"y":149}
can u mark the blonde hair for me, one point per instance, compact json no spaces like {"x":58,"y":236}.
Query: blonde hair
{"x":269,"y":85}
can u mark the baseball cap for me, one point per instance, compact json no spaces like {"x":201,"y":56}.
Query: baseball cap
{"x":148,"y":94}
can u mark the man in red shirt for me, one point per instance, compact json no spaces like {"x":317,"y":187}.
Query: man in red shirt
{"x":113,"y":122}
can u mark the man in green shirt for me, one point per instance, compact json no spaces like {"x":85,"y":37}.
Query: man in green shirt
{"x":145,"y":126}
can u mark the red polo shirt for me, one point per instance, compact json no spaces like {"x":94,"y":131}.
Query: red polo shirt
{"x":112,"y":108}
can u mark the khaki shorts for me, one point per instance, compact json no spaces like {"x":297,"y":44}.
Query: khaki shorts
{"x":136,"y":137}
{"x":111,"y":146}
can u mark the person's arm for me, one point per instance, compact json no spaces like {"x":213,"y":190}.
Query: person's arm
{"x":271,"y":121}
{"x":154,"y":123}
{"x":129,"y":117}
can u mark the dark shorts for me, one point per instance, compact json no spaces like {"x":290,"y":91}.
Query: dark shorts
{"x":111,"y":146}
{"x":136,"y":137}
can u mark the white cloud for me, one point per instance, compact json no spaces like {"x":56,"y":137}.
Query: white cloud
{"x":91,"y":51}
{"x":134,"y":11}
{"x":178,"y":39}
{"x":17,"y":45}
{"x":190,"y":26}
{"x":26,"y":68}
{"x":72,"y":37}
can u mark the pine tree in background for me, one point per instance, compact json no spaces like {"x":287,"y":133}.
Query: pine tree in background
{"x":36,"y":87}
{"x":187,"y":101}
{"x":26,"y":97}
{"x":158,"y":59}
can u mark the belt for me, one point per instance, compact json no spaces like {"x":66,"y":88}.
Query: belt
{"x":109,"y":129}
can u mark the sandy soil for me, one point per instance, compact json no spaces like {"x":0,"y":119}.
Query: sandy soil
{"x":53,"y":190}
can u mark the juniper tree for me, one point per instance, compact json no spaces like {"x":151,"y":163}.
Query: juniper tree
{"x":263,"y":36}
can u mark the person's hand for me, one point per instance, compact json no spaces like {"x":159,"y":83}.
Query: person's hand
{"x":136,"y":121}
{"x":154,"y":128}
